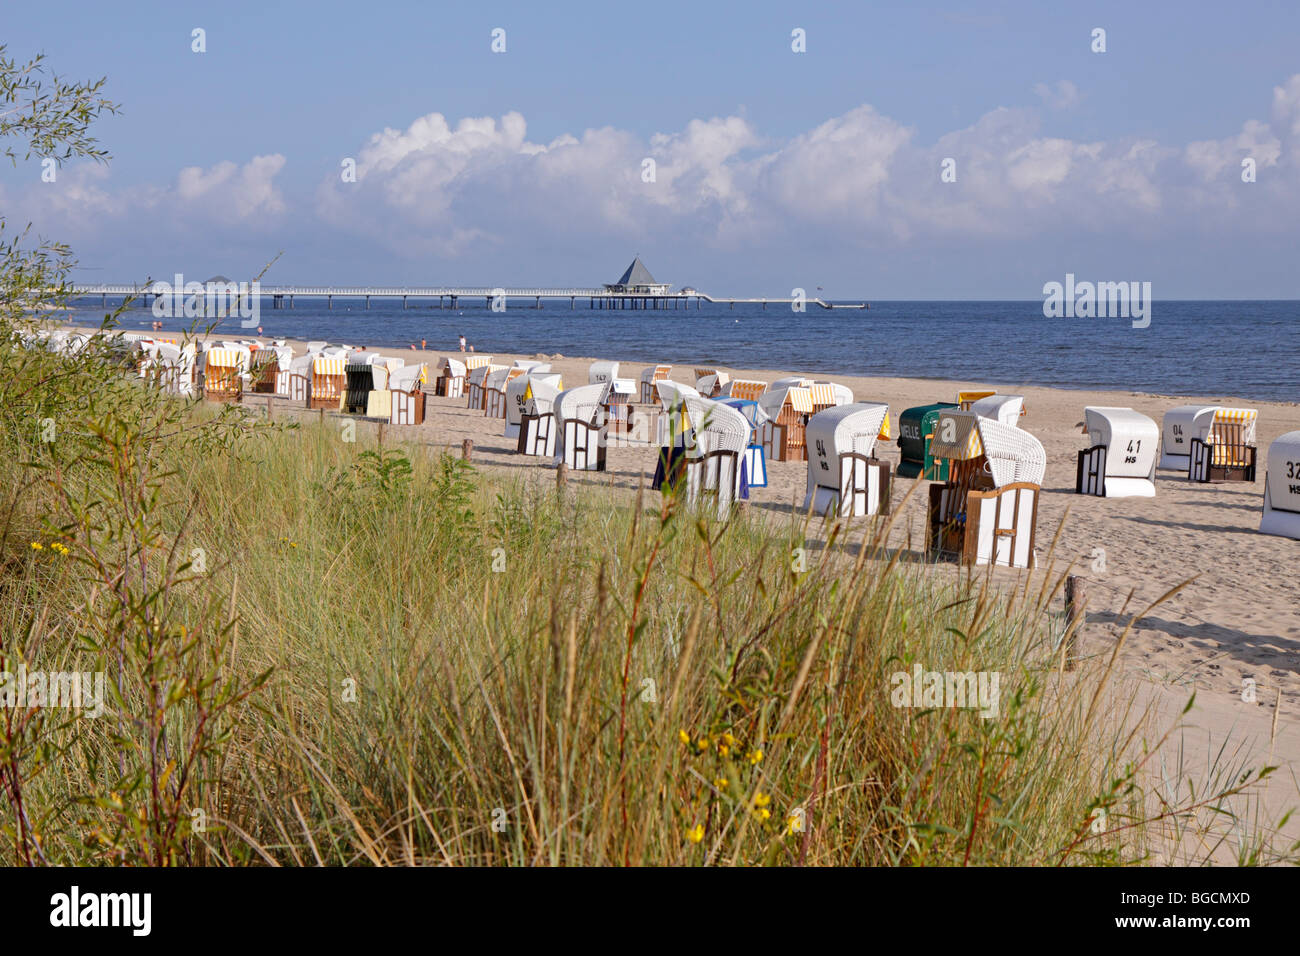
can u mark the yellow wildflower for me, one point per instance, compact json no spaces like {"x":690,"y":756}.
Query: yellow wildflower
{"x":37,"y":546}
{"x":696,"y":833}
{"x":755,"y":757}
{"x":720,"y":783}
{"x":61,"y":549}
{"x":683,"y":736}
{"x":763,"y":814}
{"x":723,"y":750}
{"x":761,"y":799}
{"x":729,"y":740}
{"x":702,"y":743}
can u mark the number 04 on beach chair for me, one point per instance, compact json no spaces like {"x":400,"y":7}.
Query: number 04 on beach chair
{"x":986,"y":511}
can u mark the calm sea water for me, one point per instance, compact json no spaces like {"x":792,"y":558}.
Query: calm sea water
{"x":1251,"y":349}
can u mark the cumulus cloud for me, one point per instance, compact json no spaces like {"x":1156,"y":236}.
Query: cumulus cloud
{"x":448,"y":188}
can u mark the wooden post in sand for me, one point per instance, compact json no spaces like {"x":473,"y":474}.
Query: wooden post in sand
{"x":268,"y":408}
{"x":381,"y":434}
{"x":561,"y":476}
{"x":467,"y":448}
{"x":1076,"y":599}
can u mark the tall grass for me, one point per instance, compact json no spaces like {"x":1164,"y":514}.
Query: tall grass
{"x":380,"y":655}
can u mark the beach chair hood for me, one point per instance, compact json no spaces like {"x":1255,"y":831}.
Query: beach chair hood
{"x":1012,"y":453}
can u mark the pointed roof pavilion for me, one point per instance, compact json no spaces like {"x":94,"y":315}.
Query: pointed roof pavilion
{"x":637,"y":279}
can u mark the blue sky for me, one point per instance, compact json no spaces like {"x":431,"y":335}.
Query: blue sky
{"x":774,"y":169}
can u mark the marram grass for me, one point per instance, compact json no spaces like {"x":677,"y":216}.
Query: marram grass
{"x":339,"y":653}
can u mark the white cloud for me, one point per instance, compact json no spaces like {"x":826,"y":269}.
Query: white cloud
{"x":1062,"y":96}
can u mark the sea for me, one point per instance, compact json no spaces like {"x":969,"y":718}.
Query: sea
{"x":1247,"y":349}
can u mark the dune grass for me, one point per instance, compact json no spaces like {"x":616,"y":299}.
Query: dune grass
{"x":332,"y":652}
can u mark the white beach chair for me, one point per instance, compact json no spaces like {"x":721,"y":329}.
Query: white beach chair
{"x":601,"y":372}
{"x":451,"y":378}
{"x":1122,"y":460}
{"x":476,"y":385}
{"x":518,"y":392}
{"x":719,"y":436}
{"x":406,"y":398}
{"x":844,"y":476}
{"x":1181,"y":424}
{"x":986,"y":512}
{"x":580,"y":421}
{"x":1282,"y":487}
{"x":1006,"y":409}
{"x":537,"y":431}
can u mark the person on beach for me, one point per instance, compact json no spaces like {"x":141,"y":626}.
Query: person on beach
{"x":462,"y":341}
{"x":424,"y":344}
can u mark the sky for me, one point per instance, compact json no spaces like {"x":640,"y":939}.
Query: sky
{"x":772,"y":169}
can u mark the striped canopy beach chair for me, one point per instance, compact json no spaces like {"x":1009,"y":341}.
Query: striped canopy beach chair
{"x":787,"y":408}
{"x":222,"y":375}
{"x":844,"y":476}
{"x":748,"y":391}
{"x":986,"y":512}
{"x":1228,"y":452}
{"x":709,"y":381}
{"x":650,"y":375}
{"x":327,"y":381}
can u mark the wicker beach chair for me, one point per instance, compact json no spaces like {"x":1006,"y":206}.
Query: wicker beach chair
{"x":581,"y":429}
{"x":517,"y":392}
{"x":450,"y":381}
{"x":844,"y":476}
{"x":1121,"y":461}
{"x":537,"y":431}
{"x":712,"y":469}
{"x":406,"y":398}
{"x":650,"y":375}
{"x":327,"y":381}
{"x":744,"y":390}
{"x":1228,"y":452}
{"x":787,"y":409}
{"x":709,"y":382}
{"x":986,"y":512}
{"x":222,"y":375}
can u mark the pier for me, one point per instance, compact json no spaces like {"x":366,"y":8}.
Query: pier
{"x":451,"y":296}
{"x":636,"y":290}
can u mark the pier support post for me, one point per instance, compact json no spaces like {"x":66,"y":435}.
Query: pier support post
{"x":330,"y":299}
{"x":403,"y":303}
{"x":367,"y":303}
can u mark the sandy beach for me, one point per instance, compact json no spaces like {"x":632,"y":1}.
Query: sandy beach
{"x":1238,"y":616}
